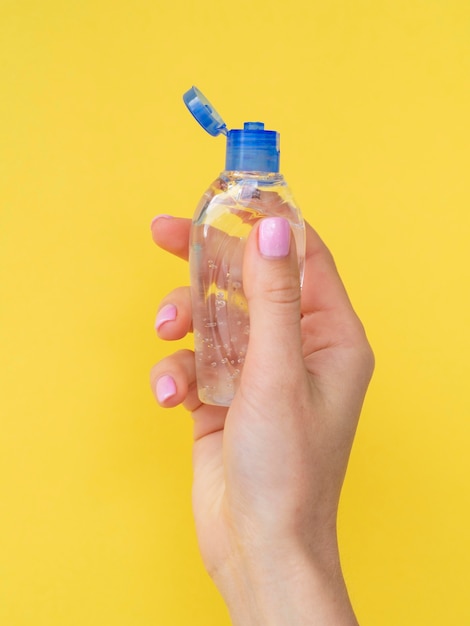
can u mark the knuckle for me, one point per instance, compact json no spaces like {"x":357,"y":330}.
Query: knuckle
{"x":283,"y":290}
{"x":363,"y":350}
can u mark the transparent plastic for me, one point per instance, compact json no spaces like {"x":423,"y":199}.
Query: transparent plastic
{"x":222,"y":222}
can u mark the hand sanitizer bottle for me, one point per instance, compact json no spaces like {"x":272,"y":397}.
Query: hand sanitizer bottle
{"x":249,"y":188}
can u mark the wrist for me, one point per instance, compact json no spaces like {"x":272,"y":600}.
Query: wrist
{"x":290,"y":585}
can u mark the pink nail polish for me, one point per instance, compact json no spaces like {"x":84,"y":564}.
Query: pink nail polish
{"x":166,"y":314}
{"x":157,"y":217}
{"x":166,"y":388}
{"x":274,"y":237}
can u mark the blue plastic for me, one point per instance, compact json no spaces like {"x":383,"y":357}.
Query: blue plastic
{"x":204,"y":112}
{"x":252,"y":149}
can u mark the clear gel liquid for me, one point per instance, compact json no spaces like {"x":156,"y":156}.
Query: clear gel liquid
{"x":223,"y":220}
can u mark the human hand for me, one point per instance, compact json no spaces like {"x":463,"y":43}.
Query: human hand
{"x":268,"y":470}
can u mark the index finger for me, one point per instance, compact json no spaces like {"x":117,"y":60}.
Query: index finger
{"x":172,"y":234}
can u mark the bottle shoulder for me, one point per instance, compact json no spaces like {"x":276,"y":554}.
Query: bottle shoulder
{"x":256,"y":193}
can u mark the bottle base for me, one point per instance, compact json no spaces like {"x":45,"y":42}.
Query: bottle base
{"x":209,"y":395}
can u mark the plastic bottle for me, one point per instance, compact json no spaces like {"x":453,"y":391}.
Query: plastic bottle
{"x":249,"y":189}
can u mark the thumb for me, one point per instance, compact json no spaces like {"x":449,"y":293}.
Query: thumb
{"x":271,"y":283}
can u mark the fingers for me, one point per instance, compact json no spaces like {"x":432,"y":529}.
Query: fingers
{"x":172,"y":234}
{"x":276,"y":303}
{"x":173,"y":381}
{"x":174,"y":317}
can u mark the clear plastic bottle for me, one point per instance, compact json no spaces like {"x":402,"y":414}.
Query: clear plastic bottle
{"x":249,"y":189}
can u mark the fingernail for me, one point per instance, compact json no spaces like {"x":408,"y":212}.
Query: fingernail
{"x":157,"y":217}
{"x":274,"y":237}
{"x":166,"y":314}
{"x":166,"y":388}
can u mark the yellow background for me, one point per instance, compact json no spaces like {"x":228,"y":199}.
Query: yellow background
{"x":372,"y":101}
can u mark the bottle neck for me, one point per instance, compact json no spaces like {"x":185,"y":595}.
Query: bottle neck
{"x":264,"y":177}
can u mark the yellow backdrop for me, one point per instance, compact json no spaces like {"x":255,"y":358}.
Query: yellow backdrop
{"x":372,"y":101}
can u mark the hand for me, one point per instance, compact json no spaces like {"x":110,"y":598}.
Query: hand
{"x":268,"y":471}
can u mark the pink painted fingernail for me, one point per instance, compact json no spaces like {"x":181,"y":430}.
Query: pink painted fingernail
{"x":274,"y":237}
{"x":157,"y":217}
{"x":166,"y":314}
{"x":166,"y":388}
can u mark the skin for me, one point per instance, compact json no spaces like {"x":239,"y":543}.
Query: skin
{"x":268,"y":471}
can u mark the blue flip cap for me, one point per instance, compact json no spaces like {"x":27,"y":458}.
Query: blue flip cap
{"x":251,"y":149}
